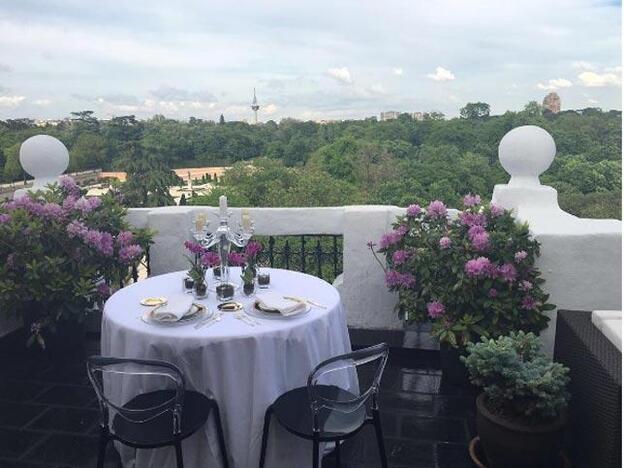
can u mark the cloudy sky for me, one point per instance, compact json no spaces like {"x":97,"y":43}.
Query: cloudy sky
{"x":321,"y":59}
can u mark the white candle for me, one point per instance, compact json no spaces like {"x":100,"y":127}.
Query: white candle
{"x":200,"y":221}
{"x":245,"y":219}
{"x":223,"y":206}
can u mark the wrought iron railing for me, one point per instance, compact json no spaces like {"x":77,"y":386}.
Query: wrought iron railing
{"x":317,"y":254}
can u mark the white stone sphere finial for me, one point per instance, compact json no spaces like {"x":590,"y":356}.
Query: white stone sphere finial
{"x":526,"y":152}
{"x":45,"y":158}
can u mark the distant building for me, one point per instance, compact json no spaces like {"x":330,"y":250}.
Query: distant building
{"x":393,"y":115}
{"x":552,"y":102}
{"x":47,"y":122}
{"x":389,"y":115}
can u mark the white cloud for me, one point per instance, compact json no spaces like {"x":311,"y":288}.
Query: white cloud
{"x":592,"y":101}
{"x":554,"y":83}
{"x":270,"y":109}
{"x":397,"y":71}
{"x":378,"y":89}
{"x":441,"y":74}
{"x":599,"y":80}
{"x":42,"y":102}
{"x":582,"y":65}
{"x":11,"y":101}
{"x":341,"y":74}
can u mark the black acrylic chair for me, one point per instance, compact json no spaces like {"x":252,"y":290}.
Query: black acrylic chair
{"x":322,"y":412}
{"x":148,"y":420}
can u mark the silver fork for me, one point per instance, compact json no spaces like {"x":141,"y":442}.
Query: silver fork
{"x":209,"y":321}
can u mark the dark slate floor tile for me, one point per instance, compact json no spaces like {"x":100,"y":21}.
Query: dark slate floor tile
{"x":417,"y":403}
{"x":19,"y":391}
{"x":454,"y":406}
{"x":67,"y":395}
{"x":17,"y":415}
{"x":14,"y":443}
{"x":20,"y":464}
{"x":67,"y":449}
{"x":67,"y":374}
{"x":452,"y":456}
{"x":434,"y":429}
{"x":25,"y":369}
{"x":76,"y":420}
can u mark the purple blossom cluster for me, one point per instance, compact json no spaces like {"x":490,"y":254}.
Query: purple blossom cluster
{"x":210,"y":259}
{"x":436,"y":209}
{"x":477,"y":268}
{"x":103,"y":290}
{"x":397,"y":279}
{"x":236,"y":259}
{"x":5,"y":218}
{"x":471,"y":200}
{"x":507,"y":272}
{"x":52,"y":211}
{"x":445,"y":242}
{"x":87,"y":205}
{"x":520,"y":255}
{"x":525,"y":285}
{"x":479,"y":238}
{"x":391,"y":238}
{"x":194,"y":247}
{"x":252,"y":249}
{"x":435,"y":309}
{"x":69,"y":186}
{"x":400,"y":257}
{"x":100,"y":241}
{"x":528,"y":303}
{"x":496,"y":210}
{"x":125,"y":238}
{"x":413,"y":210}
{"x":472,"y":219}
{"x":127,"y":253}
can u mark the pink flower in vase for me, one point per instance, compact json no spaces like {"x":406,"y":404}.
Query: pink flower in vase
{"x":236,"y":259}
{"x":210,"y":259}
{"x":252,"y":249}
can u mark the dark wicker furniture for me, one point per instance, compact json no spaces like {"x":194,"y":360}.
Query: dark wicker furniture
{"x":595,"y":425}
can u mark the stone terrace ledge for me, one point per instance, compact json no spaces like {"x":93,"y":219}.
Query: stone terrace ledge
{"x":581,"y":258}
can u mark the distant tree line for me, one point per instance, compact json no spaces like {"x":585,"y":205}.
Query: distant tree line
{"x":295,"y":163}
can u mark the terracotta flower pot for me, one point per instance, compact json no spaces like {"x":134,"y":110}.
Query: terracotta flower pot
{"x":509,"y":444}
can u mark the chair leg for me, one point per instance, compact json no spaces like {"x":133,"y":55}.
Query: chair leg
{"x":315,"y":454}
{"x":102,"y":448}
{"x":220,"y":436}
{"x":265,"y":434}
{"x":178,"y":451}
{"x":380,"y":440}
{"x":337,"y":454}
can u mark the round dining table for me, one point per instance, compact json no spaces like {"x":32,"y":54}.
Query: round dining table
{"x":245,"y":364}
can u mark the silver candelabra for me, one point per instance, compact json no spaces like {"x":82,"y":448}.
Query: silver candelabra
{"x":224,"y":236}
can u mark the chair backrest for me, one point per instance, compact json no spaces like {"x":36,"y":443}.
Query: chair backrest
{"x":375,"y":357}
{"x":112,"y":395}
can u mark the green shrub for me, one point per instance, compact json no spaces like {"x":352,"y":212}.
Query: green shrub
{"x":518,"y":379}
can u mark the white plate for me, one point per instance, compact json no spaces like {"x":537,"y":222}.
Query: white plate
{"x":202,"y":312}
{"x":274,"y":315}
{"x":153,"y":301}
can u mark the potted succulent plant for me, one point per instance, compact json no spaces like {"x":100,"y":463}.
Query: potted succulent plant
{"x":521,"y":412}
{"x":248,"y":278}
{"x":61,"y":255}
{"x":469,"y":276}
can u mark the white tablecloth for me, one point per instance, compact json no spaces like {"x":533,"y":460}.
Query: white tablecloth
{"x":245,"y":367}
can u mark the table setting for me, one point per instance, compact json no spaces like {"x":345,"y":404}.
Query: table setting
{"x":245,"y":347}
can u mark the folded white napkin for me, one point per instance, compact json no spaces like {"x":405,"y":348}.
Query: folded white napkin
{"x":275,"y":301}
{"x":173,"y":310}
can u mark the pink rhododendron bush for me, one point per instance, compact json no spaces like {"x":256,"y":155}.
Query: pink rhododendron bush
{"x":471,"y":276}
{"x":61,"y":254}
